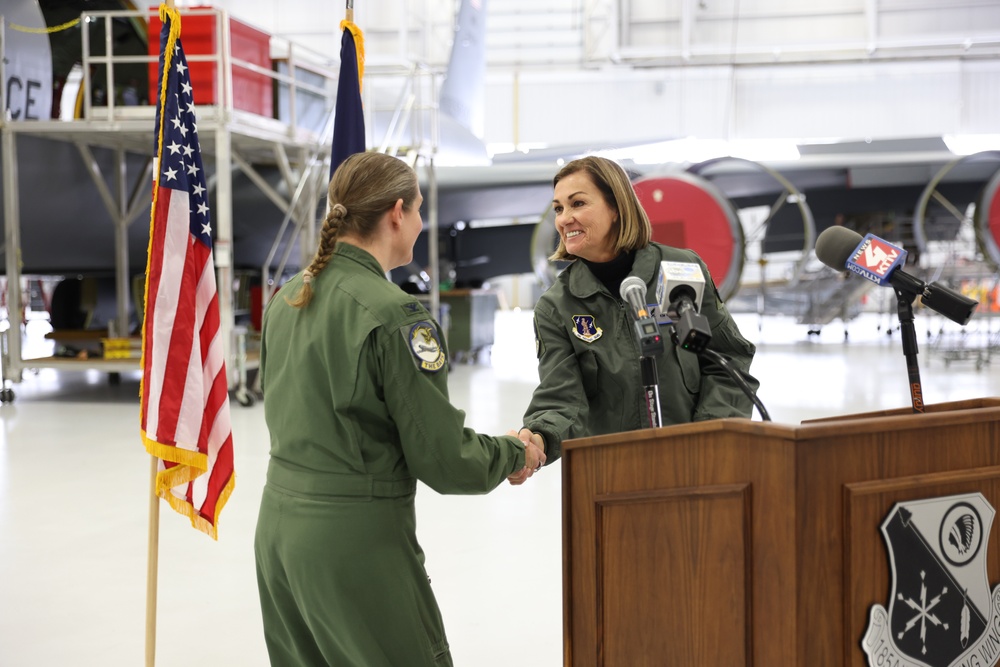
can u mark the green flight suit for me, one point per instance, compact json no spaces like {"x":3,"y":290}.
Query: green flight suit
{"x":356,"y":402}
{"x":590,"y":381}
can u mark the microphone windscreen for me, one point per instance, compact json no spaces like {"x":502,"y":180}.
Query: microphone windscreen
{"x":631,"y":283}
{"x":835,"y":245}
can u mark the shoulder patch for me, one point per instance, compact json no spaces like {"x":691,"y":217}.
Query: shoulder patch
{"x":539,"y":345}
{"x":422,"y":338}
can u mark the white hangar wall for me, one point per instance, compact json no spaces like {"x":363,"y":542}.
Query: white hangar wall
{"x":836,"y":100}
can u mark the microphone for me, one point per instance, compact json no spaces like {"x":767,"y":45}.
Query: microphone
{"x":879,"y":261}
{"x":633,"y":292}
{"x":647,"y":331}
{"x":679,"y":290}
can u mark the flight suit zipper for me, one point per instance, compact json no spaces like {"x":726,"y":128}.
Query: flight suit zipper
{"x":625,"y":320}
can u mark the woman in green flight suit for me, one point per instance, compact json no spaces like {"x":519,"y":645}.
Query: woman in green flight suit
{"x":590,"y":380}
{"x":356,"y":401}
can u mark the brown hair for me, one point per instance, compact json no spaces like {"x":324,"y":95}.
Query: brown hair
{"x":634,"y":230}
{"x":363,"y":188}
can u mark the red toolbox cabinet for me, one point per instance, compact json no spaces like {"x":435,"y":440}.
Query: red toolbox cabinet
{"x":252,"y":91}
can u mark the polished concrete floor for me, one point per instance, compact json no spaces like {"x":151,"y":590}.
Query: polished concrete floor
{"x":74,"y":485}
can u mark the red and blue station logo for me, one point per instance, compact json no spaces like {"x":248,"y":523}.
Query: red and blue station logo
{"x":875,"y":259}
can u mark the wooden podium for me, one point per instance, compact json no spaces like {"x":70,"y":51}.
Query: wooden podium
{"x":734,"y":542}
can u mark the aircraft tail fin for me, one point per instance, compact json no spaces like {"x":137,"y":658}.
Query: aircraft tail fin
{"x":463,"y":92}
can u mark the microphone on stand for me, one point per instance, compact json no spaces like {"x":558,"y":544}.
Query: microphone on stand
{"x":880,"y":262}
{"x":678,"y":292}
{"x":647,"y":331}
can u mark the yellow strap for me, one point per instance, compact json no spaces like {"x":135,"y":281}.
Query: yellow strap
{"x":44,"y":31}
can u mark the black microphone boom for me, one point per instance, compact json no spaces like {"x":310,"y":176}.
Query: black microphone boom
{"x":835,"y":246}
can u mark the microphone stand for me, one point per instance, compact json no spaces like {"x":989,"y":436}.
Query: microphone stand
{"x":647,"y":333}
{"x":650,"y":391}
{"x":908,"y":333}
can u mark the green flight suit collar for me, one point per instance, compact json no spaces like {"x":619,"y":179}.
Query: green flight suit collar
{"x":583,"y":283}
{"x":362,"y":257}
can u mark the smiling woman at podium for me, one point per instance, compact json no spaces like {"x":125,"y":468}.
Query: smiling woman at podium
{"x":588,"y":353}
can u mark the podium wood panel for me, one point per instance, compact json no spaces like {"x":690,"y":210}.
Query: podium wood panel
{"x":743,"y":543}
{"x":680,"y":527}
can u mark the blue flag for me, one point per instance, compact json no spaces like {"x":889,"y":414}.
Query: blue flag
{"x":349,"y":123}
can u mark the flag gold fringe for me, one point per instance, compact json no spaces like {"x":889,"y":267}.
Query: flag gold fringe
{"x":168,"y":56}
{"x":184,"y":457}
{"x":185,"y":508}
{"x":359,"y":46}
{"x":190,"y":466}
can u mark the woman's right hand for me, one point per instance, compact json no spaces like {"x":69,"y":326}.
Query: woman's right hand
{"x":534,"y":455}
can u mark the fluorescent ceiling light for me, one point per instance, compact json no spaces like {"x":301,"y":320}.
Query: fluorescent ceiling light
{"x":967,"y":144}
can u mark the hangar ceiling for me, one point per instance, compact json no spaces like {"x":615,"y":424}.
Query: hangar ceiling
{"x":827,"y":69}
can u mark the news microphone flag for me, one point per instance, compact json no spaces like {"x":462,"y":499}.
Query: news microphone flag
{"x":184,"y":395}
{"x":686,"y":275}
{"x":349,"y":121}
{"x":875,"y":259}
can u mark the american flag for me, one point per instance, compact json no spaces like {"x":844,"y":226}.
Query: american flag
{"x":184,"y":394}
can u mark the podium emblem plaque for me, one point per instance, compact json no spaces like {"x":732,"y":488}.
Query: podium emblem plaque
{"x":941,"y":612}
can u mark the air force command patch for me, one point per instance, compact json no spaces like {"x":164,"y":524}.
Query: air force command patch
{"x":426,"y":347}
{"x":585,"y":329}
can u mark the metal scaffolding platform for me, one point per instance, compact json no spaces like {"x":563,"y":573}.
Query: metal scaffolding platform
{"x":227,"y":135}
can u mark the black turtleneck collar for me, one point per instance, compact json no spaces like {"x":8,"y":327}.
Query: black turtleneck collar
{"x":611,"y":274}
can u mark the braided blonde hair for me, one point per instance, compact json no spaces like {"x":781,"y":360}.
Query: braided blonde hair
{"x":364,"y":187}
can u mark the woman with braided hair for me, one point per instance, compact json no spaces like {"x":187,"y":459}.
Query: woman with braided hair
{"x":354,"y":375}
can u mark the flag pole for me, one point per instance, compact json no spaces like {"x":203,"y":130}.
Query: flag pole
{"x":151,"y":566}
{"x":350,"y":11}
{"x":153,"y":547}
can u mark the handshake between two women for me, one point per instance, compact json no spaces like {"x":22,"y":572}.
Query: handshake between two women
{"x":534,"y":455}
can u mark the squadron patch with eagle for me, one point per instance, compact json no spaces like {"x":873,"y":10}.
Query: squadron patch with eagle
{"x":425,"y":345}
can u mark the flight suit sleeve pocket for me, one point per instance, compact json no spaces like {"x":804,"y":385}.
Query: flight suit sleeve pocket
{"x":589,"y":372}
